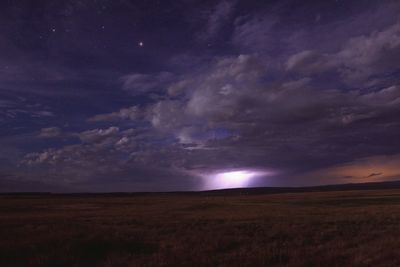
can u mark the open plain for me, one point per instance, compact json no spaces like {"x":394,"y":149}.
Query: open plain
{"x":342,"y":228}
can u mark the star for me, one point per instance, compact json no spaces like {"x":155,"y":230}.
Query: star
{"x":140,"y":44}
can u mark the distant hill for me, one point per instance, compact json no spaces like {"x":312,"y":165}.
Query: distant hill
{"x":322,"y":188}
{"x":236,"y":191}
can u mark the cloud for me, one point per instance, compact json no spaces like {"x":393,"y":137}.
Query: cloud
{"x":389,"y":96}
{"x":166,"y":115}
{"x":305,"y":61}
{"x":217,"y":19}
{"x":95,"y":153}
{"x":229,"y":107}
{"x":50,"y":132}
{"x":6,"y":104}
{"x":256,"y":33}
{"x":42,"y":113}
{"x":367,"y":58}
{"x":97,"y":135}
{"x":307,"y":98}
{"x":131,"y":113}
{"x":228,"y":116}
{"x":374,"y":174}
{"x":138,"y":84}
{"x":362,"y":58}
{"x":15,"y":108}
{"x":110,"y":160}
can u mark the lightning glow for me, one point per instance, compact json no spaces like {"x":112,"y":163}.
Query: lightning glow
{"x":231,"y":179}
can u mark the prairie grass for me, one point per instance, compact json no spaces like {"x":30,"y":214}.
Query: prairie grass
{"x":348,"y":228}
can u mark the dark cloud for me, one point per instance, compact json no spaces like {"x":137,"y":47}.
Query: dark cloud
{"x":374,"y":174}
{"x":303,"y":94}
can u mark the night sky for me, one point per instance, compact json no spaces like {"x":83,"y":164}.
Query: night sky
{"x":121,"y":95}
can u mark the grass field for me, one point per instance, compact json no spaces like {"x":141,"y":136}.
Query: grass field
{"x":346,"y":228}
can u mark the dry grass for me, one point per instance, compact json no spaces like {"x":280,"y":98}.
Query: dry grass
{"x":354,"y":228}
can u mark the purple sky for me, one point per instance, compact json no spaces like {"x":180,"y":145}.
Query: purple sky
{"x":164,"y":95}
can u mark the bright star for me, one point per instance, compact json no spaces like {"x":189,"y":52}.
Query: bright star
{"x":140,"y":44}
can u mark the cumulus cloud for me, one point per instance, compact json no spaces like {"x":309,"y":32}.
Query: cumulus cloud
{"x":231,"y":97}
{"x":115,"y":160}
{"x":96,"y":152}
{"x":227,"y":116}
{"x":377,"y":52}
{"x":306,"y":110}
{"x":361,"y":59}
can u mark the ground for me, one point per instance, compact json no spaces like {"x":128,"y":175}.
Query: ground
{"x":345,"y":228}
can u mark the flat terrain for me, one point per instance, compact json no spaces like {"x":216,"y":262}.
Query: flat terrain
{"x":345,"y":228}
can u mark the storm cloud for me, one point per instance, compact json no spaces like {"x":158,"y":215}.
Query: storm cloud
{"x":302,"y":99}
